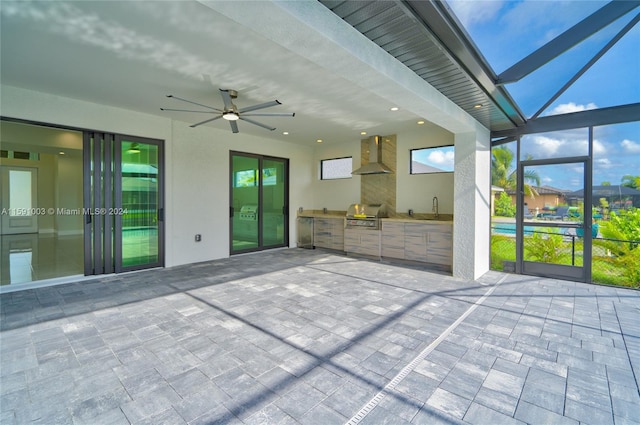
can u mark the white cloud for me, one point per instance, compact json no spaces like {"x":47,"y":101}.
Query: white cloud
{"x":546,"y":146}
{"x":598,"y":147}
{"x":547,"y":180}
{"x":469,"y":12}
{"x":630,"y":146}
{"x":567,"y":108}
{"x":603,"y":163}
{"x":442,"y":158}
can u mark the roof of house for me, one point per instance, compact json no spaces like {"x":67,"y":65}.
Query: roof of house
{"x":419,"y":167}
{"x":544,"y":190}
{"x":613,"y":190}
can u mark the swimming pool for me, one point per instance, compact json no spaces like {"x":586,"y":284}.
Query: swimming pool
{"x":509,"y":229}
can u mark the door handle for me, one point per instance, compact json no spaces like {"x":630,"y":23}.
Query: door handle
{"x":231,"y":211}
{"x":87,"y":218}
{"x":160,"y":214}
{"x":285,"y":210}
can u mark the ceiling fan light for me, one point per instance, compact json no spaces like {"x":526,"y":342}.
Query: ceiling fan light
{"x":230,"y":116}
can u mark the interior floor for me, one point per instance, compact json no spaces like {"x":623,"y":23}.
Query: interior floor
{"x":34,"y":256}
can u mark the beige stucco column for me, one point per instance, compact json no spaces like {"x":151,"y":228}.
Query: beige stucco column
{"x":472,"y":203}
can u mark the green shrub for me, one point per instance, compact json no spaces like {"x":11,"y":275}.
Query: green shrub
{"x":546,"y":248}
{"x":625,"y":256}
{"x":504,"y":207}
{"x":502,"y":248}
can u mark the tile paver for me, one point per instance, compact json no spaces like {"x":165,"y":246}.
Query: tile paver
{"x":310,"y":337}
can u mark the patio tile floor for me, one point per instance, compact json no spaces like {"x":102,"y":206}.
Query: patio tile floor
{"x":313,"y":337}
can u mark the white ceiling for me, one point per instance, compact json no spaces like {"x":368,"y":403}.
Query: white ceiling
{"x":132,"y":54}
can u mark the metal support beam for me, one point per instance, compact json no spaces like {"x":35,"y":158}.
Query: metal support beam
{"x":445,"y":30}
{"x":589,"y":64}
{"x":593,"y":117}
{"x":574,"y":35}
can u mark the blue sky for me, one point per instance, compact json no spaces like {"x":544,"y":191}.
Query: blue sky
{"x":506,"y":31}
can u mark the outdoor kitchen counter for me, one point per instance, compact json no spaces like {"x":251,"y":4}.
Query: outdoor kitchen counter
{"x":419,"y":220}
{"x":418,"y":239}
{"x":320,"y":214}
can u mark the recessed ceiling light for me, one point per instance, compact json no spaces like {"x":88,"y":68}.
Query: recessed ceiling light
{"x":395,"y":108}
{"x":61,"y":153}
{"x":319,"y":140}
{"x":477,"y":105}
{"x":363,"y":133}
{"x":286,"y":133}
{"x":420,"y":122}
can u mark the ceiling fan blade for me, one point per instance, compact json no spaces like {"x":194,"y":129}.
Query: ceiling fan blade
{"x":193,"y":103}
{"x":234,"y":126}
{"x":184,"y":110}
{"x":206,"y":121}
{"x":259,"y":124}
{"x":260,"y":106}
{"x":269,"y":114}
{"x":226,"y":98}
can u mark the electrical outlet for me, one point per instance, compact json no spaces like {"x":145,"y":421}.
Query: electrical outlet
{"x":198,"y":237}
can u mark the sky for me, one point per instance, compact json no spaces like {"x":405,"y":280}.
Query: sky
{"x":506,"y":31}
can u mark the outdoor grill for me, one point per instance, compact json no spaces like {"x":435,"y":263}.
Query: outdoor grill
{"x":249,"y":213}
{"x":363,"y":216}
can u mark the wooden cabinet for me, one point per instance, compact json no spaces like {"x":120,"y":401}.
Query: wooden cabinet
{"x":418,"y":241}
{"x":362,"y":241}
{"x":440,"y":247}
{"x":393,"y":239}
{"x":328,"y":233}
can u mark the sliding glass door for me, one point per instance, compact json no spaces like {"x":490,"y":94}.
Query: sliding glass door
{"x":123,"y":203}
{"x":259,"y":202}
{"x":138,"y":196}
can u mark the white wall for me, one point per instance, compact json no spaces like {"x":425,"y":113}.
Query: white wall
{"x":412,"y":191}
{"x":335,"y":194}
{"x":417,"y":191}
{"x":200,"y":177}
{"x":196,"y":164}
{"x":471,"y":232}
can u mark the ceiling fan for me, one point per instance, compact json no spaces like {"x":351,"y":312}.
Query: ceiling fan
{"x":231,"y":113}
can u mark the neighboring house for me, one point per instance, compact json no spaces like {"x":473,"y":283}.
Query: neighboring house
{"x":495,"y":194}
{"x":617,"y":196}
{"x":418,"y":167}
{"x":547,"y":197}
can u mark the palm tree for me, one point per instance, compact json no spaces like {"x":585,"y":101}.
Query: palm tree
{"x":631,"y":181}
{"x":504,"y":175}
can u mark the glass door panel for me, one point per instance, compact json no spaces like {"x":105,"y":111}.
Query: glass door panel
{"x":19,"y":200}
{"x":258,"y":211}
{"x":273,"y":202}
{"x":245,"y":202}
{"x":554,"y":221}
{"x":138,"y":212}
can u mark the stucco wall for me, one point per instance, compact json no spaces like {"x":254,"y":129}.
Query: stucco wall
{"x":196,"y":166}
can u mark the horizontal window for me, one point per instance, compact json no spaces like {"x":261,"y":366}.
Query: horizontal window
{"x":432,"y":160}
{"x":337,"y":168}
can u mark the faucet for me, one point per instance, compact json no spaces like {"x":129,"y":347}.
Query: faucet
{"x":435,"y":207}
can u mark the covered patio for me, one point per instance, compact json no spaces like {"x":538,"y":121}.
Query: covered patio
{"x":307,"y":336}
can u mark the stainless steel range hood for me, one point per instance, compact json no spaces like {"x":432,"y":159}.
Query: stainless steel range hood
{"x":375,"y":165}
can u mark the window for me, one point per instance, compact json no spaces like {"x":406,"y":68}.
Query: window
{"x":432,"y":160}
{"x":338,"y":168}
{"x":246,"y":178}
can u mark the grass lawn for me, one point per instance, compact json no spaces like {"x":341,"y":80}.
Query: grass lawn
{"x":604,"y":270}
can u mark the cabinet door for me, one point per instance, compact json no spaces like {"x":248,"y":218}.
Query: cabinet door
{"x":351,"y":240}
{"x":321,"y":232}
{"x":439,"y":247}
{"x":365,"y":242}
{"x":415,"y":241}
{"x":337,"y":234}
{"x":370,"y":243}
{"x":392,"y":239}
